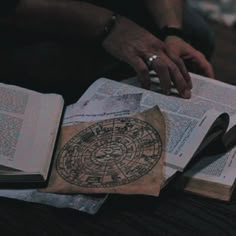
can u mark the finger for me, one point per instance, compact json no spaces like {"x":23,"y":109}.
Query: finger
{"x":179,"y":81}
{"x":176,"y":76}
{"x":182,"y":68}
{"x":142,"y":72}
{"x":161,"y":69}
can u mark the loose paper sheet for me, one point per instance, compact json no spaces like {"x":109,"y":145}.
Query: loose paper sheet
{"x":118,"y":155}
{"x":86,"y":203}
{"x":92,"y":106}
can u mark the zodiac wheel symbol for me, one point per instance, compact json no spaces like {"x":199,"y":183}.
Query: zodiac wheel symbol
{"x":110,"y":153}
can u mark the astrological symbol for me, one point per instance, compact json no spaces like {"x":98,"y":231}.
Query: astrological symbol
{"x":69,"y":163}
{"x":149,"y":142}
{"x":149,"y":158}
{"x":94,"y":179}
{"x":137,"y":170}
{"x":115,"y":177}
{"x":72,"y":150}
{"x":87,"y":136}
{"x":98,"y":129}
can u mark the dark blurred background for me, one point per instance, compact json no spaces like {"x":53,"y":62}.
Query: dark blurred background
{"x":224,"y":58}
{"x":221,"y":15}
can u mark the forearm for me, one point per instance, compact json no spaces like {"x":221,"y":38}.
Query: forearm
{"x":60,"y":17}
{"x":167,"y":12}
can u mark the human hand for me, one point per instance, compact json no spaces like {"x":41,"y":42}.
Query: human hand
{"x":185,"y":51}
{"x":134,"y":45}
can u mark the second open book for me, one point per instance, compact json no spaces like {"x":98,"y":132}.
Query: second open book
{"x":206,"y":116}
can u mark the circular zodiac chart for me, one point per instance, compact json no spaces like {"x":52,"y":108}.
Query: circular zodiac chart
{"x":110,"y":153}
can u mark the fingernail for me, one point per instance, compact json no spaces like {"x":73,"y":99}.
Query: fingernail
{"x":186,"y":94}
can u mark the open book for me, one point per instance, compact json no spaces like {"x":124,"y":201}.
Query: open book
{"x":193,"y":126}
{"x":29,"y":122}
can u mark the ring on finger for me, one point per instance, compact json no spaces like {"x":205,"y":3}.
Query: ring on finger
{"x":151,"y":59}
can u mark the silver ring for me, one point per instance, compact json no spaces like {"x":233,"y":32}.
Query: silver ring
{"x":151,"y":59}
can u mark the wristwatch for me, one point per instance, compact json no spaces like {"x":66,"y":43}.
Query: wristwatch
{"x":169,"y":31}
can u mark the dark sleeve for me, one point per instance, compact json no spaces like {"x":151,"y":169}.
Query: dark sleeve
{"x":7,"y":7}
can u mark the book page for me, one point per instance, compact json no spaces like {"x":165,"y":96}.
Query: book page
{"x":86,"y":203}
{"x":183,"y":117}
{"x":232,"y":121}
{"x":20,"y":127}
{"x":218,"y":168}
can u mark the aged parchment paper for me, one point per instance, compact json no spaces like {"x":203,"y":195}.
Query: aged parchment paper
{"x":118,"y":155}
